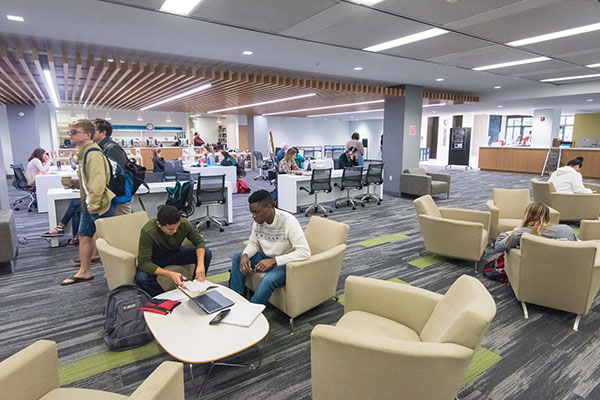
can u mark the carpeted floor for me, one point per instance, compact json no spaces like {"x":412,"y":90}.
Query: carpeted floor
{"x":538,"y":358}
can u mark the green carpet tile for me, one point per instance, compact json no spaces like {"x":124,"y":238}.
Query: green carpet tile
{"x":218,"y":278}
{"x":483,"y":360}
{"x":394,"y":237}
{"x":427,"y":261}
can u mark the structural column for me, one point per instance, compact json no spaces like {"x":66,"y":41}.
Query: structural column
{"x":401,"y":136}
{"x":258,"y":134}
{"x":546,"y":126}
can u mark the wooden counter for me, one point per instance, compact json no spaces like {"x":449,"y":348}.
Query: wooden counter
{"x":531,"y":160}
{"x":168,"y":153}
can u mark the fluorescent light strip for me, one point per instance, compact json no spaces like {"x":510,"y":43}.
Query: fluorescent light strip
{"x":344,"y":113}
{"x":15,"y":18}
{"x":50,"y":85}
{"x":367,"y":2}
{"x":178,"y":96}
{"x":568,"y":78}
{"x":180,"y":7}
{"x":555,"y":35}
{"x":262,"y":103}
{"x":324,"y":108}
{"x":434,"y":105}
{"x":593,"y":65}
{"x":511,"y":63}
{"x":407,"y":39}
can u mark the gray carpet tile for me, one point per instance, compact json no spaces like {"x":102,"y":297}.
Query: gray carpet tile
{"x":542,"y":357}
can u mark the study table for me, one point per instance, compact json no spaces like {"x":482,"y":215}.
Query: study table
{"x":59,"y":199}
{"x":229,"y":172}
{"x":290,"y":197}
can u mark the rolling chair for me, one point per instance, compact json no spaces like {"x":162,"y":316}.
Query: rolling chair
{"x":274,"y":169}
{"x":351,"y":179}
{"x":320,"y":181}
{"x":374,"y":177}
{"x":211,"y":190}
{"x":171,"y":168}
{"x":20,"y":183}
{"x":154,"y":177}
{"x":182,"y":176}
{"x":262,"y":165}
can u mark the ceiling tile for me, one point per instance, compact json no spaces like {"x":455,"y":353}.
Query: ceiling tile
{"x":439,"y":46}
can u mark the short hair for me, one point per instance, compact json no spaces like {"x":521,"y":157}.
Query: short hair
{"x":86,"y":126}
{"x":576,"y":161}
{"x":103,"y":125}
{"x":168,"y":215}
{"x":261,"y":196}
{"x":355,"y":136}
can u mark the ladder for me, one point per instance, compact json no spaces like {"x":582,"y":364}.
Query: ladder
{"x":552,"y":160}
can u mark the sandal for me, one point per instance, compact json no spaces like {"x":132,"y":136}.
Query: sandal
{"x":56,"y":232}
{"x":74,"y":279}
{"x":74,"y":241}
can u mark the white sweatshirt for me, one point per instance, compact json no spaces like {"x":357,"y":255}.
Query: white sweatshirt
{"x":282,"y":239}
{"x":567,"y":180}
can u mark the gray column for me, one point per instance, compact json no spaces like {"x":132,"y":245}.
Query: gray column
{"x":400,"y":147}
{"x":24,"y":132}
{"x":258,"y":134}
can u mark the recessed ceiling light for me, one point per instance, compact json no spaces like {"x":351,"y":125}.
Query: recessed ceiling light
{"x":439,"y":80}
{"x":568,"y":78}
{"x":407,"y":39}
{"x":511,"y":63}
{"x":590,"y":100}
{"x":357,"y":68}
{"x":497,"y":87}
{"x":180,"y":7}
{"x":262,"y":103}
{"x":555,"y":35}
{"x":178,"y":96}
{"x":499,"y":106}
{"x":434,"y":105}
{"x":593,"y":65}
{"x":433,"y":112}
{"x":342,"y":113}
{"x":367,"y":2}
{"x":325,"y":107}
{"x":15,"y":18}
{"x":247,"y":52}
{"x":107,"y":117}
{"x":139,"y":117}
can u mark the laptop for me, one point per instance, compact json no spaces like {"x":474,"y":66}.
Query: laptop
{"x":210,"y":302}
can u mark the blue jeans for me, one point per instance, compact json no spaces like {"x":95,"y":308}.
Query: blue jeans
{"x":184,"y":256}
{"x":274,"y":278}
{"x":73,"y":212}
{"x":87,"y":223}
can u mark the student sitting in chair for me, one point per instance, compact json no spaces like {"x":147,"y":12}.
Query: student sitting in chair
{"x":349,"y":158}
{"x":276,"y":240}
{"x":160,"y":245}
{"x":568,"y":179}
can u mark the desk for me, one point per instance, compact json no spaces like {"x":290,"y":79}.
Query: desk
{"x":290,"y":197}
{"x":229,"y":172}
{"x":45,"y":182}
{"x":59,"y":199}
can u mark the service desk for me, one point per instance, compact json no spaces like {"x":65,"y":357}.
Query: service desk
{"x":45,"y":182}
{"x":290,"y":197}
{"x":59,"y":199}
{"x":531,"y":160}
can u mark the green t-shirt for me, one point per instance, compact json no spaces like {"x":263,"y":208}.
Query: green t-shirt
{"x":154,"y":243}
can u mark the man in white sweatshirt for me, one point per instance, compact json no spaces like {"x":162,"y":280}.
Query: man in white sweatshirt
{"x":276,"y":240}
{"x":568,"y":179}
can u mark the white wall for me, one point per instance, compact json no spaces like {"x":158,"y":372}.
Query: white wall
{"x":308,"y":131}
{"x":5,"y":140}
{"x":370,"y":129}
{"x":208,"y":128}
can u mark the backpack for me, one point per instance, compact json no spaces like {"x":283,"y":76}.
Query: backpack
{"x":124,"y":326}
{"x":494,"y":269}
{"x":179,"y":196}
{"x":242,"y":187}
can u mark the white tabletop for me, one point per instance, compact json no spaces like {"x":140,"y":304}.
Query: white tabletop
{"x":229,"y":172}
{"x":186,"y":335}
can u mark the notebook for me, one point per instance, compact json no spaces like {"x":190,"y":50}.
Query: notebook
{"x":210,"y":302}
{"x":243,"y":313}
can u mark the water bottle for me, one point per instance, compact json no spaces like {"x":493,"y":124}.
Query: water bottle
{"x":58,"y":165}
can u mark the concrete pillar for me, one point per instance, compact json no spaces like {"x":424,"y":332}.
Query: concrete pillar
{"x":4,"y":201}
{"x":401,"y":136}
{"x":23,"y":130}
{"x":544,"y":131}
{"x":258,"y":134}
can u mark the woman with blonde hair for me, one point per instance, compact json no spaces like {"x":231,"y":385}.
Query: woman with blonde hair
{"x":536,"y":221}
{"x":288,"y":164}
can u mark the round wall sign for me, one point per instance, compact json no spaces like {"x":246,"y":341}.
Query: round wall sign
{"x":149,"y":127}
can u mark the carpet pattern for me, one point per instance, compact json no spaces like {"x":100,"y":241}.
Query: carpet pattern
{"x":538,"y":358}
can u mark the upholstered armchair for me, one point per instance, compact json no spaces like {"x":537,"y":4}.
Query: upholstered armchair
{"x":453,"y":232}
{"x":507,"y":208}
{"x":417,"y":182}
{"x":563,"y":275}
{"x":398,"y":342}
{"x":117,"y":243}
{"x":572,"y":207}
{"x":311,"y":282}
{"x":32,"y":374}
{"x":589,"y":230}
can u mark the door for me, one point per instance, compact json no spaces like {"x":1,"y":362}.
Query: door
{"x":432,"y":136}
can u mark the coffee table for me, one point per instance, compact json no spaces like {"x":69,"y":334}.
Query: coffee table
{"x":186,"y":335}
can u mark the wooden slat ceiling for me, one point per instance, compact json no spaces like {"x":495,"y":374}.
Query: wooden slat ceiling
{"x":94,"y":81}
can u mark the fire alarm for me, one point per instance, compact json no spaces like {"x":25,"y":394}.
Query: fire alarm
{"x":542,"y":119}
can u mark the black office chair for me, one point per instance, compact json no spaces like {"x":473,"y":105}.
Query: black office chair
{"x":351,"y":179}
{"x":320,"y":181}
{"x":374,"y":177}
{"x":335,"y":155}
{"x":274,"y":169}
{"x":183,"y":176}
{"x":155,"y":177}
{"x":262,"y":165}
{"x":171,"y":169}
{"x":211,"y":190}
{"x":20,"y":183}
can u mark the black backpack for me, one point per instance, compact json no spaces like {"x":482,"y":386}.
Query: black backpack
{"x":125,"y":327}
{"x":181,"y":197}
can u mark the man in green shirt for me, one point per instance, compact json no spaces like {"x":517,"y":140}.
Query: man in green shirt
{"x":160,"y":245}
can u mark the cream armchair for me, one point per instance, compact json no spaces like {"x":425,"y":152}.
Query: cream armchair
{"x":554,"y":273}
{"x":572,"y":207}
{"x":507,"y":208}
{"x":399,"y":342}
{"x":589,"y":230}
{"x":32,"y":374}
{"x":311,"y":282}
{"x":117,"y":243}
{"x":417,"y":182}
{"x":453,"y":232}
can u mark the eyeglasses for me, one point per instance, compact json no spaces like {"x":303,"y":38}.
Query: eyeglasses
{"x":74,"y":132}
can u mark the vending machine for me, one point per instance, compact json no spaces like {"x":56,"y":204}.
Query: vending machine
{"x":460,"y":147}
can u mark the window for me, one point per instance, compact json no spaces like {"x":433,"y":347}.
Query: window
{"x":565,"y":132}
{"x":518,"y":129}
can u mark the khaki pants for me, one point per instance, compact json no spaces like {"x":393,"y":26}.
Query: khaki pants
{"x":123,"y":209}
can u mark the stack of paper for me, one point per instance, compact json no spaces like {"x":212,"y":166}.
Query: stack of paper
{"x":243,"y":313}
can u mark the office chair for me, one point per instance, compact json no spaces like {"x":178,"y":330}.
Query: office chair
{"x":20,"y":183}
{"x":211,"y":190}
{"x":274,"y":169}
{"x":171,"y":168}
{"x":320,"y":181}
{"x":262,"y":164}
{"x":185,"y":201}
{"x":351,"y":179}
{"x":374,"y":177}
{"x":155,"y":177}
{"x":183,"y":176}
